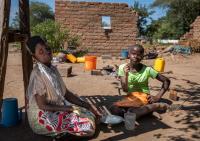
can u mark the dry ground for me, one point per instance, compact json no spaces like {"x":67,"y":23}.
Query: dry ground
{"x":182,"y":125}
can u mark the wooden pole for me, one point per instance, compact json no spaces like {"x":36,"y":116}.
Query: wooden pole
{"x":4,"y":25}
{"x":27,"y":63}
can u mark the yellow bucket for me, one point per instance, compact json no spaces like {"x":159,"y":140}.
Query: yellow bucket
{"x":81,"y":59}
{"x":159,"y":64}
{"x":71,"y":58}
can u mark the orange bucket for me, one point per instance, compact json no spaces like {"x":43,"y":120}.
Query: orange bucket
{"x":90,"y":62}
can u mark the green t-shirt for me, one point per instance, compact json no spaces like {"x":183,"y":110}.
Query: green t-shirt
{"x":138,"y":82}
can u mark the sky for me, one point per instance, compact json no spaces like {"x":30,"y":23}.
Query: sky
{"x":158,"y":12}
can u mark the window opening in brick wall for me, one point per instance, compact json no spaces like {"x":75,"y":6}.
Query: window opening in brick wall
{"x":106,"y":22}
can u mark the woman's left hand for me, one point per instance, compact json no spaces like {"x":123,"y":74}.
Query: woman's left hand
{"x":153,"y":99}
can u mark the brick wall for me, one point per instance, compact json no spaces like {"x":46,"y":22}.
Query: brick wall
{"x":84,"y":19}
{"x":192,"y":38}
{"x":194,"y":32}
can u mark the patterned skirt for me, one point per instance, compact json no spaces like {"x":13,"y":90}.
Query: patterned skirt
{"x":80,"y":122}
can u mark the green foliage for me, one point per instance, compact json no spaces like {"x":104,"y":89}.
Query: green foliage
{"x":15,"y":22}
{"x":73,"y":41}
{"x":40,"y":12}
{"x":162,"y":29}
{"x":153,"y":27}
{"x":180,"y":14}
{"x":81,"y":53}
{"x":162,"y":3}
{"x":144,"y":15}
{"x":42,"y":23}
{"x":52,"y":32}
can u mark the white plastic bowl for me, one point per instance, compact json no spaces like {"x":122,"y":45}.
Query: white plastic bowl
{"x":111,"y":119}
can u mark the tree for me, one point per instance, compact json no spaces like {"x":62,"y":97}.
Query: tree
{"x":162,"y":3}
{"x":73,"y":41}
{"x":15,"y":22}
{"x":42,"y":23}
{"x":180,"y":14}
{"x":162,"y":29}
{"x":53,"y":33}
{"x":40,"y":12}
{"x":144,"y":17}
{"x":153,"y":27}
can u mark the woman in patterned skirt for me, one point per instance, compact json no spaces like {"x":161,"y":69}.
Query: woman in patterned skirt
{"x":52,"y":108}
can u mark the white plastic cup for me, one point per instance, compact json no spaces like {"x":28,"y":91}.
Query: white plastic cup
{"x":129,"y":120}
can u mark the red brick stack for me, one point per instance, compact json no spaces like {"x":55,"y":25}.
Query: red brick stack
{"x":194,"y":32}
{"x":193,"y":36}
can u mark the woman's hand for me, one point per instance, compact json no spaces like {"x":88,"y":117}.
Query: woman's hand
{"x":126,"y":69}
{"x":68,"y":109}
{"x":124,"y":79}
{"x":153,"y":99}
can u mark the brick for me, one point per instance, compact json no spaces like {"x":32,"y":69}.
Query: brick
{"x":194,"y":33}
{"x":84,"y":19}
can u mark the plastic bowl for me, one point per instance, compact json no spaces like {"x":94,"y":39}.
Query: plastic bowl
{"x":111,"y":119}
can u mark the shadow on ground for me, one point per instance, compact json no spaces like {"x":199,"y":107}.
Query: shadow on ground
{"x":192,"y":113}
{"x":23,"y":132}
{"x":147,"y":124}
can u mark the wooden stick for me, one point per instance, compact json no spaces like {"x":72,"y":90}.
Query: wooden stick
{"x":5,"y":12}
{"x":126,"y":81}
{"x":26,"y":57}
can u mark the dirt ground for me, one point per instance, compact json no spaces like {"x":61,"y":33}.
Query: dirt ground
{"x":181,"y":125}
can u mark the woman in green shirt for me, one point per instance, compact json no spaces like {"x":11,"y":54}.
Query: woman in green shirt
{"x":134,"y":77}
